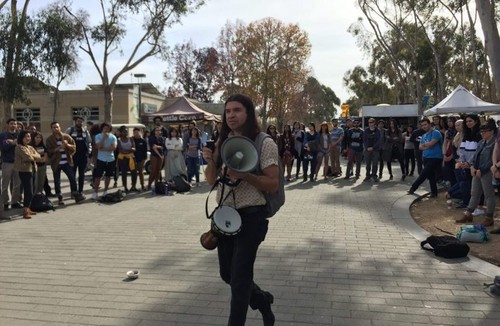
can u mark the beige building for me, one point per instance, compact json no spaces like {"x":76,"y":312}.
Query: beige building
{"x":88,"y":103}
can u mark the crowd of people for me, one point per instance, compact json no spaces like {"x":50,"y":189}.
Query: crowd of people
{"x":83,"y":147}
{"x":460,"y":154}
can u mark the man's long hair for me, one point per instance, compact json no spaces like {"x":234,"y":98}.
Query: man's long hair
{"x":251,"y":128}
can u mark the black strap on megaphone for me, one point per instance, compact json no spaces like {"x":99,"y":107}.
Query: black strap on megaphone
{"x":221,"y":180}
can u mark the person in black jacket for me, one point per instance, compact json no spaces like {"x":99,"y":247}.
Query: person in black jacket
{"x":372,"y":144}
{"x":8,"y":142}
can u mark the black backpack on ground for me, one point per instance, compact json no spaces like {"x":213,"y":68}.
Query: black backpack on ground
{"x":40,"y":203}
{"x":114,"y":197}
{"x":161,"y":188}
{"x":180,"y":184}
{"x":446,"y":246}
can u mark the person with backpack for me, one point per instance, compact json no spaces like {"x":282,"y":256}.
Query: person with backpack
{"x":237,"y":253}
{"x":83,"y":143}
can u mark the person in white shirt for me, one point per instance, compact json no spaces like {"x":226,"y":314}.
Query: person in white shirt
{"x":174,"y":163}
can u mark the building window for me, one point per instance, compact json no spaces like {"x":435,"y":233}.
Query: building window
{"x":89,"y":113}
{"x":28,"y":117}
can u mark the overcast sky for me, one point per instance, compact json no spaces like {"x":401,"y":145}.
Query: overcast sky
{"x":326,"y":22}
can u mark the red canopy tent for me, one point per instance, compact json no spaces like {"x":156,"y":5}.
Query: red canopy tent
{"x":182,"y":110}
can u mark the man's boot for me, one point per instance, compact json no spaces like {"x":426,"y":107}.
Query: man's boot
{"x":26,"y":213}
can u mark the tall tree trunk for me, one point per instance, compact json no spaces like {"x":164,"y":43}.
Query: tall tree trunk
{"x":486,"y":11}
{"x":108,"y":104}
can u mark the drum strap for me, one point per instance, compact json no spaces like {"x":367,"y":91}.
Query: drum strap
{"x":221,"y":200}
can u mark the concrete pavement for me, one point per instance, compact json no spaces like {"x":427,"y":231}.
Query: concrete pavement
{"x":338,"y":253}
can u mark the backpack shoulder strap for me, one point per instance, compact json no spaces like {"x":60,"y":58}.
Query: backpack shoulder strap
{"x":259,"y":140}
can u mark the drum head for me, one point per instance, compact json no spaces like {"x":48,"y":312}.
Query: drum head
{"x":227,"y":220}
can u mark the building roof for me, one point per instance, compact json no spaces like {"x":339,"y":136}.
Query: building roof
{"x":145,"y":87}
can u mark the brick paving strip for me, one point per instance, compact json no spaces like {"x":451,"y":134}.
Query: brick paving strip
{"x":338,"y":253}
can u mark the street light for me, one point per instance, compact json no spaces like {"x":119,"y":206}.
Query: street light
{"x":139,"y":101}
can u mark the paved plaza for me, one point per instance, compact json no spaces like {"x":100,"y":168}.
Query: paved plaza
{"x":338,"y":253}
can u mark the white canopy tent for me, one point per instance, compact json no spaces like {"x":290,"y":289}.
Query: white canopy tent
{"x":462,"y":101}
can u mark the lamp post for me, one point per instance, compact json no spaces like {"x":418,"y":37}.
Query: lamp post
{"x":139,"y":101}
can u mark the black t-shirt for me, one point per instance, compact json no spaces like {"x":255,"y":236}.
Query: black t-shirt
{"x":141,"y":149}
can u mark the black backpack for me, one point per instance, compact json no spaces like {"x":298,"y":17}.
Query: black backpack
{"x":114,"y":197}
{"x":40,"y":203}
{"x":180,"y":183}
{"x":446,"y":246}
{"x":161,"y":188}
{"x":274,"y":200}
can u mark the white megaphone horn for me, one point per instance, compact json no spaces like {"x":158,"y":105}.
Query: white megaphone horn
{"x":240,"y":154}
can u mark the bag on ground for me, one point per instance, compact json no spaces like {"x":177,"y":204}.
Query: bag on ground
{"x":446,"y":246}
{"x":473,"y":233}
{"x":161,"y":188}
{"x":114,"y":197}
{"x":40,"y":203}
{"x":180,"y":183}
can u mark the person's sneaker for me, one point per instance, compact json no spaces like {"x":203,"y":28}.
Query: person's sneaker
{"x":134,"y":189}
{"x":79,"y":197}
{"x":477,"y":212}
{"x":60,"y":200}
{"x":6,"y":207}
{"x":104,"y":193}
{"x":94,"y":195}
{"x":367,"y":179}
{"x":17,"y":205}
{"x":375,"y":179}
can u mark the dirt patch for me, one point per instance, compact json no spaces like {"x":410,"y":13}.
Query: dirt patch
{"x":434,"y":215}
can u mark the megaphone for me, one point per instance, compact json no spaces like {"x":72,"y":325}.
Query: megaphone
{"x":240,"y":154}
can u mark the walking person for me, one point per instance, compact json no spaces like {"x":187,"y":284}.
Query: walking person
{"x":432,"y":155}
{"x":25,"y":161}
{"x":60,"y":148}
{"x":381,"y":128}
{"x":371,"y":144}
{"x":237,"y":253}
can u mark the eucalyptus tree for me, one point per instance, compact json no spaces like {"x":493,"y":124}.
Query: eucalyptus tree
{"x":110,"y":35}
{"x":18,"y":49}
{"x":60,"y":37}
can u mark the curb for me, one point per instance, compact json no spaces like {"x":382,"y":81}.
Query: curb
{"x":400,"y":213}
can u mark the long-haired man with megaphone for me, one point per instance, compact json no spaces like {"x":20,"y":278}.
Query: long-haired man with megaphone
{"x":237,"y":253}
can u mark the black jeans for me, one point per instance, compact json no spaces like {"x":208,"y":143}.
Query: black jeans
{"x":428,"y":172}
{"x":236,"y":261}
{"x":27,"y":185}
{"x":80,"y":165}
